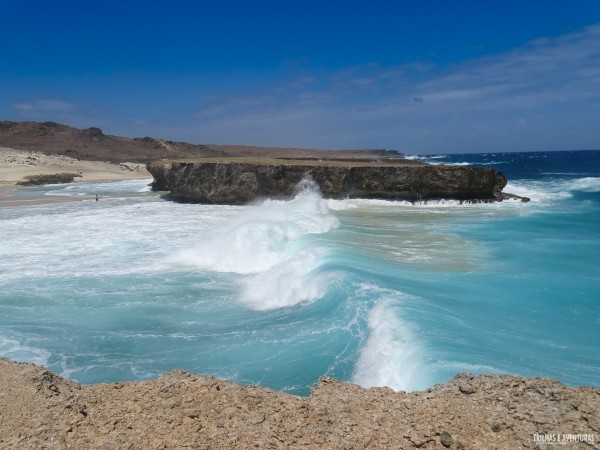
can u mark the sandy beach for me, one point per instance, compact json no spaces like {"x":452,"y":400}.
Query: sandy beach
{"x":17,"y":164}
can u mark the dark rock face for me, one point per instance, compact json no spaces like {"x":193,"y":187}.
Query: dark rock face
{"x":233,"y":182}
{"x":34,"y":180}
{"x":92,"y":133}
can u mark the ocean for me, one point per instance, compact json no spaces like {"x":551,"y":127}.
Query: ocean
{"x":280,"y":293}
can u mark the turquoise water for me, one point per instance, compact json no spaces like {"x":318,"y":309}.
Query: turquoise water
{"x":283,"y":292}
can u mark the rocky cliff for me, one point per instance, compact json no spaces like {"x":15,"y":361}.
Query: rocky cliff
{"x":40,"y":410}
{"x":237,"y":181}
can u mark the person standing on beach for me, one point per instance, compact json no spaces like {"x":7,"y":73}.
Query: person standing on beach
{"x":96,"y":197}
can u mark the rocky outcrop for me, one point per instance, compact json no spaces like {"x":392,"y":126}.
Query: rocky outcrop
{"x":41,"y":410}
{"x":55,"y":178}
{"x":92,"y":133}
{"x":238,"y":181}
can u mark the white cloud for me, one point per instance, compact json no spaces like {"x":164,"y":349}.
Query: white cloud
{"x":482,"y":103}
{"x":24,"y":107}
{"x":75,"y":113}
{"x":45,"y":105}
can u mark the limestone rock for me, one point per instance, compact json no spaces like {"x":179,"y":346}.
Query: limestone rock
{"x":238,"y":181}
{"x":41,"y":410}
{"x":34,"y":180}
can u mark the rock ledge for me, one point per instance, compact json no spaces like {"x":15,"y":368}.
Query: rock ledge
{"x":240,"y":180}
{"x":41,"y":410}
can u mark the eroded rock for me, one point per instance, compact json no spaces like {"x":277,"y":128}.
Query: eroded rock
{"x":39,"y":409}
{"x":238,"y":181}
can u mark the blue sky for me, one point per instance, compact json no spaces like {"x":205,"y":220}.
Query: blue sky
{"x":416,"y":76}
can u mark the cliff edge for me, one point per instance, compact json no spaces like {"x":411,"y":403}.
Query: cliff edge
{"x":41,"y":410}
{"x":240,"y":180}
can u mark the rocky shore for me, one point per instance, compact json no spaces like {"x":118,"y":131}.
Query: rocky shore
{"x":40,"y":410}
{"x":240,"y":180}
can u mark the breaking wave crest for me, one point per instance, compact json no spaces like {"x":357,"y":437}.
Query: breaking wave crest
{"x":544,"y":191}
{"x":273,"y":244}
{"x":391,"y":356}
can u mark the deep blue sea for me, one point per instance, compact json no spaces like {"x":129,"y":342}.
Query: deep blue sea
{"x":280,"y":293}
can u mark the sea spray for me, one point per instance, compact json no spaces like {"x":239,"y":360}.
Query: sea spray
{"x":551,"y":190}
{"x":391,"y":355}
{"x":291,"y":281}
{"x":271,"y":244}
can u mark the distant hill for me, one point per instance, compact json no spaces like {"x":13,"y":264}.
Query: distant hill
{"x":93,"y":144}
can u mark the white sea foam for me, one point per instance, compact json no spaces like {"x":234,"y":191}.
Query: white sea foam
{"x":101,"y":188}
{"x":490,"y":163}
{"x":464,"y":163}
{"x":346,"y":204}
{"x":13,"y":349}
{"x":559,"y":173}
{"x":436,"y":163}
{"x":261,"y":236}
{"x":391,"y":357}
{"x":288,"y":283}
{"x":424,"y":157}
{"x":547,"y":191}
{"x":271,"y":241}
{"x":538,"y":191}
{"x":358,"y":203}
{"x":461,"y":366}
{"x":587,"y":184}
{"x":98,"y":239}
{"x":352,"y":203}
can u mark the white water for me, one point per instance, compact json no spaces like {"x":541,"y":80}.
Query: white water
{"x":267,"y":244}
{"x":551,"y":191}
{"x":391,"y":356}
{"x":13,"y":349}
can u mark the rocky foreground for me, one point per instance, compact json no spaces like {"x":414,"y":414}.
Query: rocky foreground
{"x":40,"y":410}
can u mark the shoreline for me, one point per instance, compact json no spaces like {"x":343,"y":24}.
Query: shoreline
{"x":15,"y":165}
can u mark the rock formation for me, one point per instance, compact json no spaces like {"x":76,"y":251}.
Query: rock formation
{"x":34,"y":180}
{"x":40,"y":410}
{"x":240,"y":180}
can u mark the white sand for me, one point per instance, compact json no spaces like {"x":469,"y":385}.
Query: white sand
{"x":17,"y":164}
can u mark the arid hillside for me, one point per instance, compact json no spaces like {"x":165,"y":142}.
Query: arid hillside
{"x":93,"y":144}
